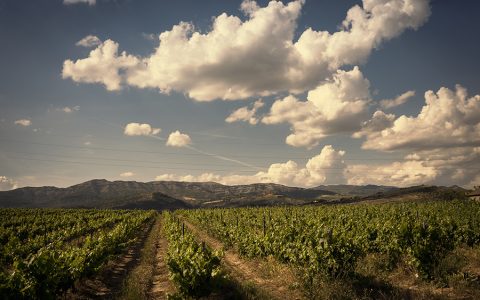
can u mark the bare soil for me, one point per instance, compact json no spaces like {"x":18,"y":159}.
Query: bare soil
{"x":161,"y":286}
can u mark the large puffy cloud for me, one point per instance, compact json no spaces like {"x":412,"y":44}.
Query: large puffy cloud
{"x":258,"y":56}
{"x":439,"y":166}
{"x":442,"y":166}
{"x":103,"y":65}
{"x":337,"y":105}
{"x":7,"y":184}
{"x":245,"y":114}
{"x":325,"y":168}
{"x":443,"y":140}
{"x":405,"y":173}
{"x":133,"y":129}
{"x":178,"y":139}
{"x":448,"y":119}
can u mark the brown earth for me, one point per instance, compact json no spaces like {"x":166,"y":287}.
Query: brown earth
{"x":161,"y":285}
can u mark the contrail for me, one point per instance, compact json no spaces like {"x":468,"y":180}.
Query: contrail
{"x":225,"y":158}
{"x":220,"y":157}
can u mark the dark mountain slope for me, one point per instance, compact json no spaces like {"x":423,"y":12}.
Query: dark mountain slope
{"x":356,"y":190}
{"x":101,"y":193}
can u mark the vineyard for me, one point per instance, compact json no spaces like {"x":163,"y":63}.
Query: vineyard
{"x":44,"y":251}
{"x":328,"y":242}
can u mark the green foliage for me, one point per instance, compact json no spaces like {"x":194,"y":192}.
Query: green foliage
{"x":328,"y":241}
{"x":59,"y":247}
{"x":193,"y":267}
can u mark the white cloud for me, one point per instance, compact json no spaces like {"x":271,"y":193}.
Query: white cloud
{"x":378,"y":122}
{"x":448,"y":119}
{"x":442,"y":166}
{"x":444,"y":140}
{"x":245,"y":114}
{"x":23,"y":122}
{"x":134,"y":129}
{"x":103,"y":65}
{"x":178,"y":139}
{"x":89,"y":41}
{"x":325,"y":168}
{"x":337,"y":105}
{"x":238,"y":59}
{"x":7,"y":184}
{"x":127,"y":174}
{"x":68,"y":109}
{"x":89,"y":2}
{"x":405,"y":173}
{"x":399,"y":100}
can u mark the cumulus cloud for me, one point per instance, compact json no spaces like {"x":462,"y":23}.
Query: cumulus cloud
{"x":127,"y":174}
{"x":245,"y":114}
{"x":23,"y":122}
{"x":7,"y":184}
{"x":399,"y":100}
{"x":89,"y":41}
{"x":89,"y":2}
{"x":442,"y":166}
{"x":443,"y":140}
{"x":378,"y":122}
{"x":133,"y":129}
{"x":405,"y":173}
{"x":258,"y":56}
{"x":337,"y":105}
{"x":178,"y":139}
{"x":448,"y":119}
{"x":103,"y":65}
{"x":325,"y":168}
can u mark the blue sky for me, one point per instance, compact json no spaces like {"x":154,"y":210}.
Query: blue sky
{"x":335,"y":103}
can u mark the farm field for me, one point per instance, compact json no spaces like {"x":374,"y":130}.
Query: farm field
{"x":364,"y":251}
{"x":43,"y":252}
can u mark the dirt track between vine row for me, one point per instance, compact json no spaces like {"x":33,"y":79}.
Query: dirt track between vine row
{"x":243,"y":270}
{"x":161,"y":285}
{"x":107,"y":283}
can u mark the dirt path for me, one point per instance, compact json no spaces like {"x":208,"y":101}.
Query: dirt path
{"x":161,"y":285}
{"x":108,"y":282}
{"x":244,"y":271}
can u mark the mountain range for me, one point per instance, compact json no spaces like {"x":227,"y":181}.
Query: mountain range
{"x":100,"y":193}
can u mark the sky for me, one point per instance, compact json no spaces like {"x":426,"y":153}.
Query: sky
{"x":300,"y":93}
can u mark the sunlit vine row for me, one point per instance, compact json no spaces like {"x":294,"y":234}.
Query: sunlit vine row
{"x":329,"y":240}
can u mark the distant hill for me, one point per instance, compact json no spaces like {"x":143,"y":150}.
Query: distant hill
{"x":418,"y":193}
{"x":100,"y":193}
{"x":356,"y":190}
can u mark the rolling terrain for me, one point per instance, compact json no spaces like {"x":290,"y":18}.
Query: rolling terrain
{"x":100,"y":193}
